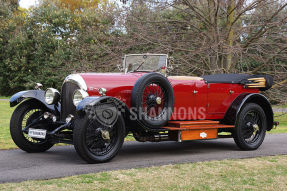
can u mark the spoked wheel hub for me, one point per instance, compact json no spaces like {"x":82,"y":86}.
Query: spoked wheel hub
{"x":252,"y":127}
{"x":100,"y":140}
{"x":154,"y":100}
{"x":105,"y":135}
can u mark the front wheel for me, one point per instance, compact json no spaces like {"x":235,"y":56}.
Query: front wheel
{"x":250,"y":128}
{"x":26,"y":113}
{"x":96,"y":143}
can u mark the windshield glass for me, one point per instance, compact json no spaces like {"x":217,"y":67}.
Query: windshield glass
{"x":145,"y":62}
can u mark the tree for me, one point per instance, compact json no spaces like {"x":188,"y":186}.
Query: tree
{"x":213,"y":36}
{"x":78,"y":5}
{"x":48,"y":43}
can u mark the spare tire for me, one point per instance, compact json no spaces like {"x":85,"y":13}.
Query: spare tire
{"x":152,"y":100}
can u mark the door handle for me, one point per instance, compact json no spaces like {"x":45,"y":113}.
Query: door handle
{"x":195,"y":92}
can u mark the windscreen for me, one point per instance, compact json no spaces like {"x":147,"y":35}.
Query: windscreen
{"x":145,"y":62}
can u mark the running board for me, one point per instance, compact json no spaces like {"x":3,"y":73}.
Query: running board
{"x":194,"y":130}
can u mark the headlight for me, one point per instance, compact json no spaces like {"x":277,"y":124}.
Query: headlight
{"x":52,"y":96}
{"x":79,"y":95}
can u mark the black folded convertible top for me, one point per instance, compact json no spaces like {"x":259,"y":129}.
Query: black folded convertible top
{"x":227,"y":78}
{"x":237,"y":79}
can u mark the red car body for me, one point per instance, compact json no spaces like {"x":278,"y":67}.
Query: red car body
{"x":204,"y":100}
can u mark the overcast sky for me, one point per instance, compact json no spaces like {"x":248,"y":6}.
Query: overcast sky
{"x":27,"y":3}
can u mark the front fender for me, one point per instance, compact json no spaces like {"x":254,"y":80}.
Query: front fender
{"x":38,"y":95}
{"x":236,"y":106}
{"x":103,"y":108}
{"x":93,"y":100}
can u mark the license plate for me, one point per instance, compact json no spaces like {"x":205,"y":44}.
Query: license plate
{"x":37,"y":133}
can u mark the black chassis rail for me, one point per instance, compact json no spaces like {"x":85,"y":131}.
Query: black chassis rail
{"x":59,"y":131}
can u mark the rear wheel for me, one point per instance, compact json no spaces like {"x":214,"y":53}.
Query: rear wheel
{"x":250,"y":129}
{"x":96,"y":143}
{"x":26,"y":113}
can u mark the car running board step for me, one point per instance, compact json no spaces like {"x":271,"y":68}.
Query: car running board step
{"x":192,"y":125}
{"x":195,"y":130}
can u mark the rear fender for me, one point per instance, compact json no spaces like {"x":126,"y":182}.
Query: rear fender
{"x":236,"y":106}
{"x":38,"y":95}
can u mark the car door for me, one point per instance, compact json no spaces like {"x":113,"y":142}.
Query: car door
{"x":220,"y":95}
{"x":190,"y":99}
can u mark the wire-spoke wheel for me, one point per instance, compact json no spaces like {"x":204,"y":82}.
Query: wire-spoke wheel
{"x":250,"y":129}
{"x":152,"y":100}
{"x":28,"y":118}
{"x":100,"y":140}
{"x":25,"y":114}
{"x":96,"y":143}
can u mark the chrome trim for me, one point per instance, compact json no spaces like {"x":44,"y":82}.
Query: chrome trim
{"x":102,"y":91}
{"x":179,"y":137}
{"x":78,"y":80}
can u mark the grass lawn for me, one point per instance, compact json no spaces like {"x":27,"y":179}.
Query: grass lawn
{"x":282,"y":118}
{"x":5,"y":115}
{"x":4,"y":97}
{"x":264,"y":173}
{"x":281,"y":106}
{"x":7,"y":143}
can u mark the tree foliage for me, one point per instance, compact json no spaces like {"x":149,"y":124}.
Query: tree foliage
{"x":58,"y":37}
{"x":78,"y":5}
{"x":214,"y":36}
{"x":45,"y":45}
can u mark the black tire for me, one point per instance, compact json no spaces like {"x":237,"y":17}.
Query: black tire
{"x":160,"y":88}
{"x":22,"y":140}
{"x":83,"y":127}
{"x":250,"y":127}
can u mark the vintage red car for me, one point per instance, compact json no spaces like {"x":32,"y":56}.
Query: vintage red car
{"x":96,"y":111}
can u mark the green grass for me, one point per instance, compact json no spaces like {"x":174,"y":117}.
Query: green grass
{"x":5,"y":115}
{"x":281,"y":106}
{"x":130,"y":137}
{"x":7,"y":143}
{"x":265,"y":173}
{"x":282,"y":118}
{"x":4,"y":97}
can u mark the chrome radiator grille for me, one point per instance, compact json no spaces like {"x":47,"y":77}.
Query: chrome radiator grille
{"x":67,"y":106}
